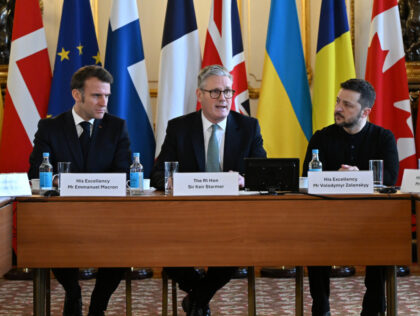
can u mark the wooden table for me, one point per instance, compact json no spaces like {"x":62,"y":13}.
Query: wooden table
{"x":6,"y":224}
{"x":157,"y":231}
{"x":417,"y":208}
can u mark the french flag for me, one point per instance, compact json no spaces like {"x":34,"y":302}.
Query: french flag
{"x":180,"y":62}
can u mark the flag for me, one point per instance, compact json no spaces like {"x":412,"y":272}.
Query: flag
{"x":417,"y":138}
{"x":28,"y":87}
{"x":284,"y":108}
{"x":180,"y":62}
{"x":385,"y":70}
{"x":224,"y":47}
{"x":77,"y":47}
{"x":1,"y":114}
{"x":334,"y":62}
{"x":130,"y":97}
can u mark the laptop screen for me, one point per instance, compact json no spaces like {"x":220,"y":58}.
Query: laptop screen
{"x":272,"y":174}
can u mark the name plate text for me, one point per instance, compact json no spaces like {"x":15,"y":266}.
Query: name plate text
{"x":14,"y":184}
{"x":411,"y":181}
{"x":340,"y":182}
{"x":93,"y":184}
{"x":206,"y":183}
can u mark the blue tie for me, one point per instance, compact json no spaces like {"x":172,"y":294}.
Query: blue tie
{"x":212,"y":164}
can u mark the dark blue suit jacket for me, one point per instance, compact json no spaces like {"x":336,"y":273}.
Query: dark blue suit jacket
{"x":109,"y":149}
{"x":184,"y":142}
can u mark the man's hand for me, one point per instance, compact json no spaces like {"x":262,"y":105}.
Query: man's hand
{"x":241,"y":180}
{"x":348,"y":168}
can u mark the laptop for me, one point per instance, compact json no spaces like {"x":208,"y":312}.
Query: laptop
{"x":272,"y":174}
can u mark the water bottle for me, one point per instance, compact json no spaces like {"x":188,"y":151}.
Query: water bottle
{"x":315,"y":164}
{"x":136,"y":175}
{"x":45,"y":173}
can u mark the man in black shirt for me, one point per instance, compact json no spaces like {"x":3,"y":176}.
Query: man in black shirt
{"x":349,"y":144}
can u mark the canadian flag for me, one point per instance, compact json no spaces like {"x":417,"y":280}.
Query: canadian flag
{"x":28,"y":87}
{"x":224,"y":47}
{"x":385,"y":70}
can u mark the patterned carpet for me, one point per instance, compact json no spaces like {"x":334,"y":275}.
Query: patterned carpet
{"x":274,"y":297}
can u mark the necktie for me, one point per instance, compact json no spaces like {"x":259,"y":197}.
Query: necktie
{"x":213,"y":164}
{"x":85,"y":139}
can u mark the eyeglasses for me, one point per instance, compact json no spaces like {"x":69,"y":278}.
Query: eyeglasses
{"x":215,"y":94}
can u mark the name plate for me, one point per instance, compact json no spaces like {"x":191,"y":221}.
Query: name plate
{"x":206,"y":183}
{"x":340,"y":182}
{"x":14,"y":184}
{"x":93,"y":184}
{"x":411,"y":181}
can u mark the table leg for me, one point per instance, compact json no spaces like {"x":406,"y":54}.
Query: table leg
{"x":299,"y":291}
{"x":252,"y":308}
{"x":39,"y":289}
{"x":391,"y":289}
{"x":128,"y":292}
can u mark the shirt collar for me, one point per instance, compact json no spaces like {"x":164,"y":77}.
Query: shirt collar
{"x":207,"y":124}
{"x":78,"y":119}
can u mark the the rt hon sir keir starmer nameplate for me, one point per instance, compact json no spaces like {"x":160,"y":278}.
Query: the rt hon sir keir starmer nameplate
{"x":93,"y":184}
{"x":206,"y":183}
{"x":340,"y":182}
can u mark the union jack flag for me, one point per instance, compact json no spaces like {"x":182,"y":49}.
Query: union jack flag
{"x":224,"y":47}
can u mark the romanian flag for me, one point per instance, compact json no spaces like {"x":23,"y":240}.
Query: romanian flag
{"x":284,"y":109}
{"x":334,"y":61}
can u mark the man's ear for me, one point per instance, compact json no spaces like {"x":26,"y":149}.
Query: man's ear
{"x":77,"y":95}
{"x":366,"y":111}
{"x":198,"y":93}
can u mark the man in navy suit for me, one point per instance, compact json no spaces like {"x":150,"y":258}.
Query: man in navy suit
{"x":187,"y":141}
{"x":93,"y":141}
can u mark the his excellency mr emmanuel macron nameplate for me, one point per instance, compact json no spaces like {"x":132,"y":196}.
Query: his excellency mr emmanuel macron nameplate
{"x":340,"y":182}
{"x":206,"y":183}
{"x":93,"y":184}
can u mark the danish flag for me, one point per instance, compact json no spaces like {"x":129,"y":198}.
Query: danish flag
{"x":385,"y":70}
{"x":224,"y":47}
{"x":28,"y":87}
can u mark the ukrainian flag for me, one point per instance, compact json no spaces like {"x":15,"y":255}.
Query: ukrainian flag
{"x":334,"y":61}
{"x":284,"y":108}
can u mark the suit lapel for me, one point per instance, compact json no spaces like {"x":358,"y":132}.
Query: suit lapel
{"x":73,"y":141}
{"x":198,"y":141}
{"x":232,"y":145}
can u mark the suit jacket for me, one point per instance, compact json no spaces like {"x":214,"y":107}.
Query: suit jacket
{"x":184,"y":142}
{"x":109,"y":148}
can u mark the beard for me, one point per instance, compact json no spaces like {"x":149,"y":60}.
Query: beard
{"x":350,"y":123}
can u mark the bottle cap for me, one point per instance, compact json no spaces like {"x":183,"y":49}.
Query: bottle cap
{"x":136,"y":154}
{"x":45,"y":155}
{"x":315,"y":151}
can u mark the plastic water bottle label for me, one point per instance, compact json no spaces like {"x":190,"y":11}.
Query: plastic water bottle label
{"x":315,"y":170}
{"x":45,"y":179}
{"x":135,"y":180}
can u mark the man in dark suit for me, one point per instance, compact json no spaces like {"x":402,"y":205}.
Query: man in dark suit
{"x":193,"y":140}
{"x":93,"y":141}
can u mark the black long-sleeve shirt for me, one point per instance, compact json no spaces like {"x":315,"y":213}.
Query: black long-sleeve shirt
{"x":337,"y":147}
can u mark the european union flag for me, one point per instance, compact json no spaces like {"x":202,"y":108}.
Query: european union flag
{"x":77,"y":46}
{"x":130,"y":98}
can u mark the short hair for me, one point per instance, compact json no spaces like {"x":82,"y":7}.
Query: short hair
{"x":92,"y":71}
{"x":367,"y":92}
{"x":212,"y":70}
